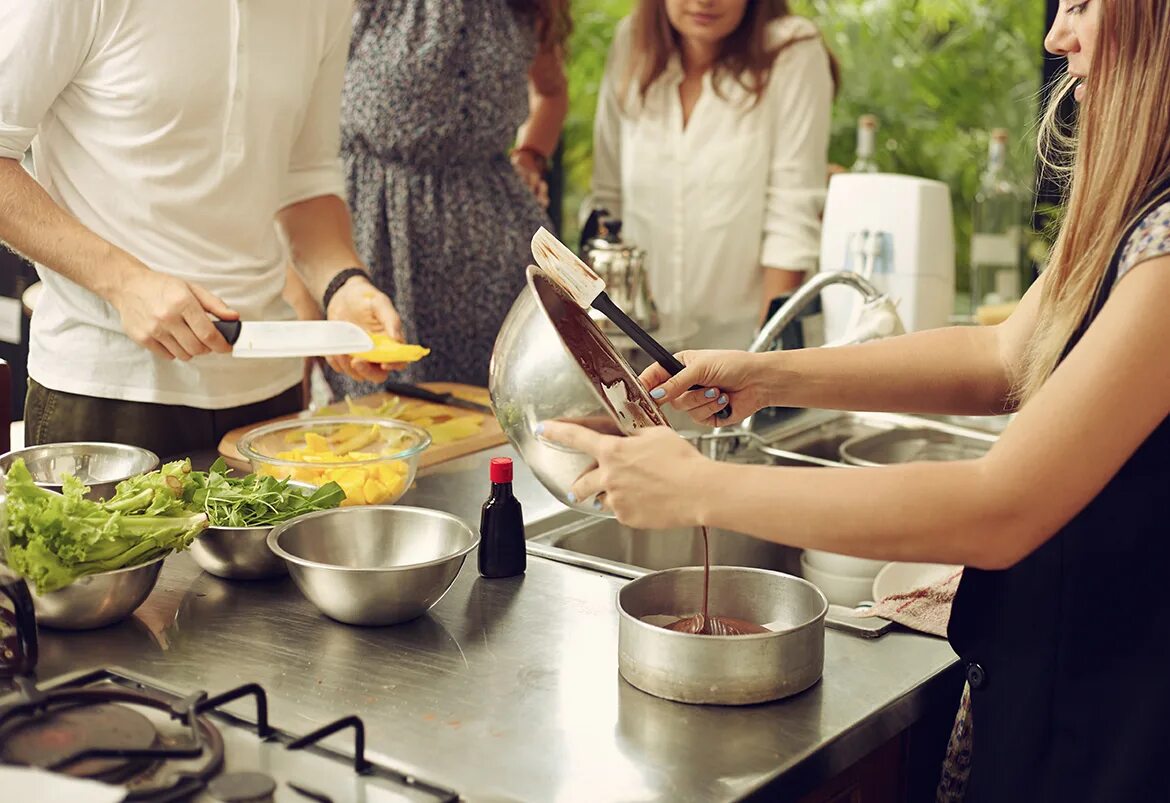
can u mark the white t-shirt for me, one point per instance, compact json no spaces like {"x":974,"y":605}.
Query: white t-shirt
{"x":739,"y":190}
{"x":176,"y":130}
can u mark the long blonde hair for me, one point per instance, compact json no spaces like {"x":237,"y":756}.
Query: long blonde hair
{"x":1120,"y":154}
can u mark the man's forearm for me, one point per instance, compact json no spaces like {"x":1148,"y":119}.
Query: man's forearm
{"x":33,"y":225}
{"x":321,"y":239}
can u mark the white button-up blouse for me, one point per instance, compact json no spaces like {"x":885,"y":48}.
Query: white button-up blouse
{"x":737,"y":191}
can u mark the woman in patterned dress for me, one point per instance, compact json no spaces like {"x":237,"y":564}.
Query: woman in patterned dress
{"x":435,"y":93}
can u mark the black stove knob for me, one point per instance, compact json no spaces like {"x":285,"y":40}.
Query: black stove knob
{"x":243,"y":787}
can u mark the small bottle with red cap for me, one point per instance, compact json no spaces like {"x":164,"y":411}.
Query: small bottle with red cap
{"x":501,"y":526}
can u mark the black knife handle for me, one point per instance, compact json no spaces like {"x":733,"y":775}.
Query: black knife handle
{"x":229,"y":329}
{"x":648,"y":344}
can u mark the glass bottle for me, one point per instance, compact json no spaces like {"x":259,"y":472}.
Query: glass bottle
{"x":501,"y":526}
{"x":866,"y":161}
{"x":997,"y":232}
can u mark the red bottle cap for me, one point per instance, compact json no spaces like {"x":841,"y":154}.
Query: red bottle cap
{"x":501,"y":470}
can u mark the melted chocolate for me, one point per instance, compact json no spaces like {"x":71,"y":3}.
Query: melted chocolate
{"x":620,"y":390}
{"x":632,"y":408}
{"x":703,"y":623}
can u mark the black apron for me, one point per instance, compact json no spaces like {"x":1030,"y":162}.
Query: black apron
{"x":1068,"y":652}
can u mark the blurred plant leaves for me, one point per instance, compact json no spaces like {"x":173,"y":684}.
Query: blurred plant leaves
{"x":940,"y":74}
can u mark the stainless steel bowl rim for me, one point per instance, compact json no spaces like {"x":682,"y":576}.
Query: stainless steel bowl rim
{"x":278,"y":530}
{"x":65,"y":446}
{"x":245,"y":444}
{"x":112,"y":572}
{"x":661,"y":631}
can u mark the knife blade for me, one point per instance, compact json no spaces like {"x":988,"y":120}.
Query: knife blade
{"x":277,"y":339}
{"x":447,"y":399}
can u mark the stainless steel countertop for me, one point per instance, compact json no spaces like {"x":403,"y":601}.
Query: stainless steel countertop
{"x":508,"y":689}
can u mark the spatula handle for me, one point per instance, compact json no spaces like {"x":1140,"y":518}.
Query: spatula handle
{"x":229,"y":329}
{"x":648,"y":344}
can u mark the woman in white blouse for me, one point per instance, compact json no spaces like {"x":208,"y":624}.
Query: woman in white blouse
{"x":711,"y":144}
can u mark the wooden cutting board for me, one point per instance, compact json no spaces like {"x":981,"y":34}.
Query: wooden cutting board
{"x":490,"y":435}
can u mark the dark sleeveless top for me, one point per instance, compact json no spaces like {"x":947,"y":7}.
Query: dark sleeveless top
{"x":1068,"y":652}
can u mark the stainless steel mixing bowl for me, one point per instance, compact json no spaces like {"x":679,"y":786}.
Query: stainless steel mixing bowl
{"x":241,"y":553}
{"x":374,"y":565}
{"x":98,"y":600}
{"x":101,"y":466}
{"x":237,"y":553}
{"x":722,"y":670}
{"x":540,"y":372}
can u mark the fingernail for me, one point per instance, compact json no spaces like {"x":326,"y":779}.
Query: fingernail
{"x":710,"y":394}
{"x":572,"y":498}
{"x":657,"y":393}
{"x":597,"y":504}
{"x":539,"y":429}
{"x":723,"y":399}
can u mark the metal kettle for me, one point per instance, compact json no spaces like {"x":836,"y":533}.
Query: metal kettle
{"x":623,"y":267}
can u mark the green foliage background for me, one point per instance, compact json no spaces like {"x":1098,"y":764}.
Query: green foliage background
{"x":940,"y":74}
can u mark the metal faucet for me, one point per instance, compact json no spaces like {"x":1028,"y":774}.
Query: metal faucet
{"x":883,"y":316}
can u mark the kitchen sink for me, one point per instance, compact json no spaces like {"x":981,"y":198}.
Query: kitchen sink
{"x":809,"y":438}
{"x":609,"y":546}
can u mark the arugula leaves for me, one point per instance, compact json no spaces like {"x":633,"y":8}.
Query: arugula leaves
{"x":256,"y":500}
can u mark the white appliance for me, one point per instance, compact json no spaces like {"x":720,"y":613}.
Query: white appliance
{"x":898,"y":232}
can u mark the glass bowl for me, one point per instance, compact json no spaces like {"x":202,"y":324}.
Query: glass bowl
{"x":374,"y":460}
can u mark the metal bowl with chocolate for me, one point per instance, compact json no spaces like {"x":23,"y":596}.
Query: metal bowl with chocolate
{"x":786,"y":659}
{"x":552,"y":362}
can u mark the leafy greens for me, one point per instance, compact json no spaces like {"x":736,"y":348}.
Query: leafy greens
{"x":256,"y":500}
{"x":52,"y":539}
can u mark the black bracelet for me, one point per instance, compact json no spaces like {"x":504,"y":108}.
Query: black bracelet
{"x":336,"y":283}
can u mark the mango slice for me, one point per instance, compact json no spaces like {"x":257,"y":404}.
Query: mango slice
{"x":391,"y":351}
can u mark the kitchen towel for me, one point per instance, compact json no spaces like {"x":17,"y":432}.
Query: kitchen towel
{"x":926,"y":609}
{"x":28,"y":783}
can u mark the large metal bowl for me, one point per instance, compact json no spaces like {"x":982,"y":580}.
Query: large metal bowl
{"x":569,"y":371}
{"x":101,"y":466}
{"x":375,"y":565}
{"x":98,"y":600}
{"x":722,"y":670}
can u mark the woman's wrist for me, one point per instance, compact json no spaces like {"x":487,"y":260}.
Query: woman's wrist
{"x":774,"y":369}
{"x":702,"y":495}
{"x":530,"y":158}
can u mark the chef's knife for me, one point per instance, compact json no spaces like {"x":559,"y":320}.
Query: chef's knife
{"x":276,"y":339}
{"x":448,"y":399}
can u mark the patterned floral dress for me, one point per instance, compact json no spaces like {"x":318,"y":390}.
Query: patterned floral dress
{"x":434,"y":94}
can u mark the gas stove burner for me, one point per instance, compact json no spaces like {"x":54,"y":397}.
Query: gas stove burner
{"x":242,"y":787}
{"x":49,"y":740}
{"x":163,"y":748}
{"x":106,"y":733}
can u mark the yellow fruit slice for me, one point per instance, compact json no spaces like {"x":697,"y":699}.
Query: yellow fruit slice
{"x":391,"y":351}
{"x":316,"y":443}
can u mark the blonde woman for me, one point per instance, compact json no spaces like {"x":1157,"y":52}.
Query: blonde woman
{"x":711,"y":144}
{"x":1063,"y":526}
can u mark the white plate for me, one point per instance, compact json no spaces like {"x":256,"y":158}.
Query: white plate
{"x":899,"y":578}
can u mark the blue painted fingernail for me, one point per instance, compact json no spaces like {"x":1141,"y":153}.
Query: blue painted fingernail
{"x":657,"y":393}
{"x":710,"y":394}
{"x":723,"y":399}
{"x":539,"y":429}
{"x":572,"y":498}
{"x":597,"y":504}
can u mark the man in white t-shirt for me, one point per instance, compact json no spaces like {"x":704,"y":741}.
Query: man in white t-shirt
{"x":185,"y":154}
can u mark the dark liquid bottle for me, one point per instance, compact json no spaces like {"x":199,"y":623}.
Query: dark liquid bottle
{"x":501,"y":526}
